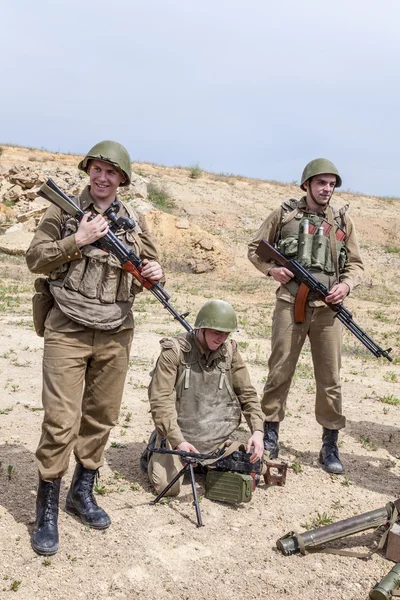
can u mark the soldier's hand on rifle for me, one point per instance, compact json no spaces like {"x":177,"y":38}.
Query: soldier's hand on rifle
{"x":186,"y":447}
{"x":337,"y":293}
{"x":90,"y":231}
{"x":152,"y":270}
{"x":256,"y":446}
{"x":281,"y":274}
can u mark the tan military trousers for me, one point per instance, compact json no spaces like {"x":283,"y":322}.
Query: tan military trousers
{"x":163,"y":468}
{"x":287,"y":339}
{"x":83,"y":381}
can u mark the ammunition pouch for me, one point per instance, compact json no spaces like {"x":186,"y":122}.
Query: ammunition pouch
{"x":311,"y":250}
{"x":42,"y":302}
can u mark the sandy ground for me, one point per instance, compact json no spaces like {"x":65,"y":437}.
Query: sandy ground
{"x":157,"y":551}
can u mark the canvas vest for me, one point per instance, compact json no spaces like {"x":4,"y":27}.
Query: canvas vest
{"x":315,"y":250}
{"x":208,"y":409}
{"x":94,"y":290}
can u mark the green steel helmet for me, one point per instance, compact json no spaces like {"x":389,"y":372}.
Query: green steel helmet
{"x":318,"y":166}
{"x":216,"y":314}
{"x":110,"y":152}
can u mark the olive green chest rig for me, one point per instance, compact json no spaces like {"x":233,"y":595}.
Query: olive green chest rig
{"x":315,"y":241}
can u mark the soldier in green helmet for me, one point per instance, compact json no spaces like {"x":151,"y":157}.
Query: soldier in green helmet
{"x":323,"y":239}
{"x":87,"y":337}
{"x":199,"y":390}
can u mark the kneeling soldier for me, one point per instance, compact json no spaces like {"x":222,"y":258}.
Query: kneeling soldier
{"x":199,"y":390}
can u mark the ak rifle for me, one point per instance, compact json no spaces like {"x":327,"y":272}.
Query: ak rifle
{"x":268,"y":253}
{"x":129,"y":260}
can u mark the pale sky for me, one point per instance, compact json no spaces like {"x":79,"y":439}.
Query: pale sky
{"x":254,"y":87}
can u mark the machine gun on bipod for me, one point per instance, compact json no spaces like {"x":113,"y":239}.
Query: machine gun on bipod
{"x":230,"y":476}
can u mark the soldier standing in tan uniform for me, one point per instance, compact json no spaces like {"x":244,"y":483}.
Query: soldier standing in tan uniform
{"x":323,"y":240}
{"x":87,"y":338}
{"x":199,"y":390}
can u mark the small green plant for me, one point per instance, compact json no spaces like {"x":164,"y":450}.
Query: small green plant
{"x":10,"y":471}
{"x":366,"y":443}
{"x":346,"y":481}
{"x":321,"y":519}
{"x":166,"y":500}
{"x":195,"y":172}
{"x":390,"y":400}
{"x":5,"y":411}
{"x":391,"y":376}
{"x":15,"y":585}
{"x":99,"y":488}
{"x":160,"y":197}
{"x":47,"y":562}
{"x":135,"y":486}
{"x":306,"y":525}
{"x":128,"y":417}
{"x":117,"y":445}
{"x":380,"y":315}
{"x":304,"y":371}
{"x":297,"y":466}
{"x":337,"y":505}
{"x":392,"y":249}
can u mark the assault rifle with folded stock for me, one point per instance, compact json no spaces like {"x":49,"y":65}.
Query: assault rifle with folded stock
{"x":110,"y":243}
{"x":268,"y":253}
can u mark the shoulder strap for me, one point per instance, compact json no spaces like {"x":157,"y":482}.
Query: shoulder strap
{"x":289,"y":209}
{"x":332,"y":239}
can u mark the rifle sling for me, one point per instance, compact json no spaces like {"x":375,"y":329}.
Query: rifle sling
{"x":332,"y":239}
{"x":229,"y":450}
{"x":300,"y":303}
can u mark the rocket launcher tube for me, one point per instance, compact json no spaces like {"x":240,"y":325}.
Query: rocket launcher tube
{"x":299,"y":542}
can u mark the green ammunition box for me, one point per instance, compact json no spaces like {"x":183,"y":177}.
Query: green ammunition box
{"x":226,"y":486}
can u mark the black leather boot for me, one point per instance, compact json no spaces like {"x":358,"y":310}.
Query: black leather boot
{"x":81,"y":502}
{"x":45,"y":534}
{"x":145,"y":456}
{"x":329,"y":454}
{"x":271,"y":432}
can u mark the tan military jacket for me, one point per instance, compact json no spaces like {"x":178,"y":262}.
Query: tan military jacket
{"x":351,"y":274}
{"x":50,"y":252}
{"x":165,"y":407}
